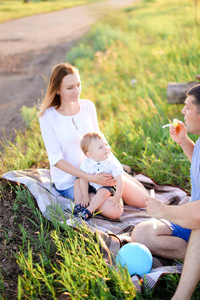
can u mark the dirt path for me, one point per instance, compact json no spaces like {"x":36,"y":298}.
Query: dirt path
{"x":31,"y":46}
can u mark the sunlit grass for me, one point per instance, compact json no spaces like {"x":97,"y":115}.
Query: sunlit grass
{"x":28,"y":148}
{"x":125,"y":63}
{"x":14,"y":9}
{"x":152,"y":43}
{"x":57,"y":260}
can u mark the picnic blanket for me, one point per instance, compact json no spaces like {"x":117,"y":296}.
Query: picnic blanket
{"x":113,"y":234}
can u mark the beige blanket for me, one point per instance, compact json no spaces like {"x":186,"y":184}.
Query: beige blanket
{"x":112,"y":233}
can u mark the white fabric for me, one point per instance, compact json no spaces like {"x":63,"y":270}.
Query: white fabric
{"x":110,"y":165}
{"x":62,"y":136}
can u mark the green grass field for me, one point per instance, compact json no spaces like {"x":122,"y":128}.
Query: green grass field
{"x":14,"y":9}
{"x":153,"y":43}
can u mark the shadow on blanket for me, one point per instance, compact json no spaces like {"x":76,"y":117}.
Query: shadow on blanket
{"x":112,"y":233}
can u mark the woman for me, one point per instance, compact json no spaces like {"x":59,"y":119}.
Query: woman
{"x":64,"y":120}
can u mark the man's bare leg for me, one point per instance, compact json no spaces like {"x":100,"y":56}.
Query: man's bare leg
{"x":160,"y":241}
{"x":191,"y":269}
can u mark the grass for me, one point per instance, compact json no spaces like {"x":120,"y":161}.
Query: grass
{"x":152,"y":42}
{"x":14,"y":9}
{"x":57,"y":262}
{"x":94,"y":276}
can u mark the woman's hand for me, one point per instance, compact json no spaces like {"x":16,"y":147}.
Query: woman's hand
{"x":155,"y":207}
{"x":104,"y":179}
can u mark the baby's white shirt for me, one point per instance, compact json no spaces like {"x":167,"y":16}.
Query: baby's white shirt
{"x":110,"y":165}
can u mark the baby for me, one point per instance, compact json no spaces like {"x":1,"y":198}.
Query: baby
{"x":99,"y":159}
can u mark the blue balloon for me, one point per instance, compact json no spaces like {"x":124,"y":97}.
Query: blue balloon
{"x":136,"y":257}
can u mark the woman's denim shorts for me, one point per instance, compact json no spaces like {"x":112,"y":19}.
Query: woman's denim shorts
{"x":67,"y":193}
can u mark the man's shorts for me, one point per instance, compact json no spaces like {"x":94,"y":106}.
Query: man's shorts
{"x":178,"y":231}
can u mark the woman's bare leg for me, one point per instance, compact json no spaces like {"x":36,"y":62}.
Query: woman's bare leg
{"x":134,"y":192}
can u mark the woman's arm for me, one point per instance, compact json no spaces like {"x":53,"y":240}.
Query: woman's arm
{"x":50,"y":138}
{"x":101,"y":179}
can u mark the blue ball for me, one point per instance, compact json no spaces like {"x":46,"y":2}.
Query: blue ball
{"x":136,"y":257}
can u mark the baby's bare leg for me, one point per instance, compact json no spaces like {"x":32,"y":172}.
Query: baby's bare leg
{"x":77,"y":192}
{"x":110,"y":209}
{"x":98,"y":199}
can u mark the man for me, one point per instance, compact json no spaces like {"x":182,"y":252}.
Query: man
{"x":178,"y":229}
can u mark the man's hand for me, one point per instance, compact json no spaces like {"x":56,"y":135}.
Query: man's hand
{"x":178,"y":135}
{"x":155,"y":207}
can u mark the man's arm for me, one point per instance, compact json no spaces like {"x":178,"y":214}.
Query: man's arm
{"x":186,"y":215}
{"x":188,"y":147}
{"x":191,"y":269}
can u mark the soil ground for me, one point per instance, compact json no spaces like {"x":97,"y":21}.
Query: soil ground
{"x":11,"y":240}
{"x":31,"y":46}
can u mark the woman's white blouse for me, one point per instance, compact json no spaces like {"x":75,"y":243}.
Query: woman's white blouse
{"x":62,"y":136}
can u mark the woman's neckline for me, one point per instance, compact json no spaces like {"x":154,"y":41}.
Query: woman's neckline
{"x":67,"y":115}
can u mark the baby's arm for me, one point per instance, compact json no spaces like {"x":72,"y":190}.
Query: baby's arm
{"x":85,"y":201}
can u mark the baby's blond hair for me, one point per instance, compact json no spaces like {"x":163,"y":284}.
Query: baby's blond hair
{"x":88,"y":138}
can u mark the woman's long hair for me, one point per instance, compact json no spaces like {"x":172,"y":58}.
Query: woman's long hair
{"x":52,"y":98}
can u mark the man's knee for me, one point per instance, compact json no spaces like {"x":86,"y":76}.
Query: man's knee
{"x":139,"y":233}
{"x":144,"y":231}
